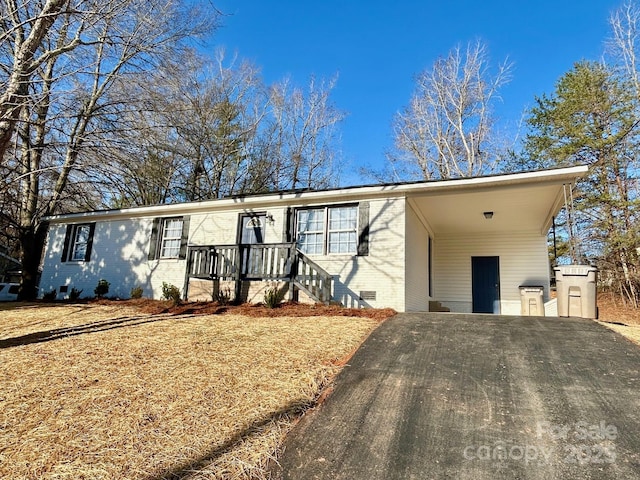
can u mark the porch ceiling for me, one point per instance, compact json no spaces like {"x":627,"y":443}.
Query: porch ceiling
{"x":514,"y":207}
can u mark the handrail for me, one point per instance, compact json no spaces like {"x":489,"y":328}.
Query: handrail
{"x":269,"y":261}
{"x":312,"y":277}
{"x":263,"y":261}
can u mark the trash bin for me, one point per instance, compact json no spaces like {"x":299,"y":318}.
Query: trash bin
{"x":531,"y":300}
{"x":576,"y":291}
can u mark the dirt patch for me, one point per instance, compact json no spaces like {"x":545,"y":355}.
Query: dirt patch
{"x":288,"y":309}
{"x":612,"y":308}
{"x":619,"y":316}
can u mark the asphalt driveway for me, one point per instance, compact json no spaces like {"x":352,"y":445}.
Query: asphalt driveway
{"x":433,"y":396}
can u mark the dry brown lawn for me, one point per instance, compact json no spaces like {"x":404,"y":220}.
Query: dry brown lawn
{"x":107,"y":391}
{"x":622,"y":318}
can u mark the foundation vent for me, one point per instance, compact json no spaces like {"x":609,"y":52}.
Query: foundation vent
{"x":367,"y":295}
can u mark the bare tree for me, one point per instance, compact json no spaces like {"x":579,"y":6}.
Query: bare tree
{"x":621,"y":257}
{"x":218,"y":109}
{"x":447,"y":130}
{"x":623,"y":44}
{"x":25,"y":28}
{"x":68,"y":107}
{"x":303,"y":139}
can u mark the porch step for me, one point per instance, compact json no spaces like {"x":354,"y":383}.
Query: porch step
{"x":435,"y":306}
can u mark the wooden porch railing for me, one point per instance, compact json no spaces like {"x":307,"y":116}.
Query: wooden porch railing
{"x":312,"y":278}
{"x":267,"y":261}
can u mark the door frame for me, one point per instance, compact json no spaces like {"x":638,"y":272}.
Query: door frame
{"x":240,"y":224}
{"x":474,"y":292}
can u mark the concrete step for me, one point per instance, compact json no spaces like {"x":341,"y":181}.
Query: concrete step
{"x":435,"y":306}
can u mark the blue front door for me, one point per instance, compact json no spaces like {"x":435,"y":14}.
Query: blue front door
{"x":485,"y":284}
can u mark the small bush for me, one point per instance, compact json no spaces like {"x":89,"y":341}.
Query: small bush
{"x":171,"y":292}
{"x":50,"y":296}
{"x":136,"y":292}
{"x":272,"y":297}
{"x":222,"y":296}
{"x":74,"y":294}
{"x":102,"y":288}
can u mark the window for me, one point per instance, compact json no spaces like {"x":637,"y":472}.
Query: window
{"x":77,"y":243}
{"x":328,"y":230}
{"x":171,"y":238}
{"x":343,"y":222}
{"x":311,"y":231}
{"x":80,"y":243}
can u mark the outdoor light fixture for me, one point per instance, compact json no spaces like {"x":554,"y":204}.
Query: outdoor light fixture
{"x":270,"y":219}
{"x":488,"y":215}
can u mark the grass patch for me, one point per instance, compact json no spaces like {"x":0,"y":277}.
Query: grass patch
{"x":106,"y":391}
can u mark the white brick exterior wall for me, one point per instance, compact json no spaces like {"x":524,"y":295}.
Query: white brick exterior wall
{"x":121,"y":247}
{"x":396,"y":268}
{"x":119,"y":255}
{"x":382,"y":271}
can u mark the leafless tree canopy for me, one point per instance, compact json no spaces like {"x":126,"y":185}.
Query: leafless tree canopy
{"x":447,"y":130}
{"x":103,"y":103}
{"x":60,"y":66}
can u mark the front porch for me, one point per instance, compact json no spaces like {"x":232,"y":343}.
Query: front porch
{"x":238,"y":266}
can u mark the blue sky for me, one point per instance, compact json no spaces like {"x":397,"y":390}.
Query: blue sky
{"x":376,"y":48}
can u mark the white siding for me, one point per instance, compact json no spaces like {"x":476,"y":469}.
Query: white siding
{"x":523,"y":260}
{"x":416,"y":264}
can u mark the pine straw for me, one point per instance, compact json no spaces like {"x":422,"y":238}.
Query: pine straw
{"x":157,"y":396}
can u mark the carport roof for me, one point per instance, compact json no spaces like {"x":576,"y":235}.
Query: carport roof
{"x":522,"y":203}
{"x":519,"y":200}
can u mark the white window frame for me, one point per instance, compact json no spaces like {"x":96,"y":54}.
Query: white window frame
{"x":170,"y":237}
{"x":328,"y":247}
{"x":79,"y":245}
{"x":346,"y":234}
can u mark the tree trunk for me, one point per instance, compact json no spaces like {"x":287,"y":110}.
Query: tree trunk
{"x":33,"y":240}
{"x":17,"y":89}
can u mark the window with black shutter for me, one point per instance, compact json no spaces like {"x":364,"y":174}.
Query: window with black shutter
{"x":78,"y":242}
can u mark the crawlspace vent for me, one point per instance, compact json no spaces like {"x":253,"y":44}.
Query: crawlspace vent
{"x":367,"y":295}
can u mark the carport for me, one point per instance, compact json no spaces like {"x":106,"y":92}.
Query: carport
{"x":482,"y":238}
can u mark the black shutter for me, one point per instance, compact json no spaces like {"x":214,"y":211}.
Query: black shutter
{"x":153,"y":243}
{"x":363,"y":228}
{"x":184,"y":240}
{"x":287,"y":232}
{"x":92,"y":229}
{"x":67,"y":241}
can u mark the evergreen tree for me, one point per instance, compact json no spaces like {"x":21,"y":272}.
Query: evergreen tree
{"x":592,"y":119}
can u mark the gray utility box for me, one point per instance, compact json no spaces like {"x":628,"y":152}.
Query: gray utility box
{"x":531,"y":300}
{"x":576,"y":291}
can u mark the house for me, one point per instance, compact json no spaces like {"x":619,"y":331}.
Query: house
{"x":9,"y":266}
{"x":466,"y":244}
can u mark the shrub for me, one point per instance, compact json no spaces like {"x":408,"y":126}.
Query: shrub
{"x":272,"y":296}
{"x":222,"y":296}
{"x":136,"y":292}
{"x":102,"y":288}
{"x":171,"y":292}
{"x":74,"y":294}
{"x":50,"y":296}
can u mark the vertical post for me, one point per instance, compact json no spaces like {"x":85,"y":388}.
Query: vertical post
{"x":238,"y":274}
{"x":293,"y":271}
{"x":187,"y":274}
